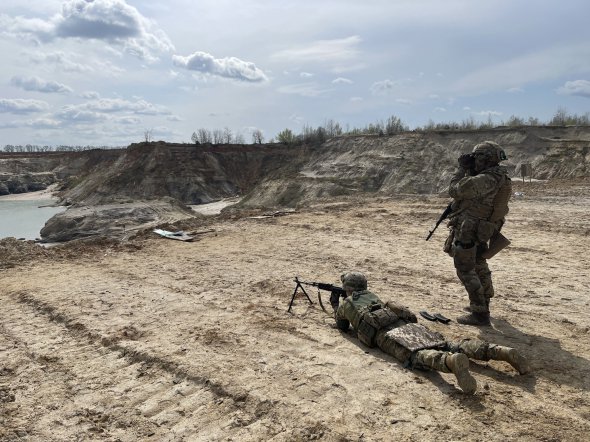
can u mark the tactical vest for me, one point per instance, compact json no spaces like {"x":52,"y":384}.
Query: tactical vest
{"x":368,"y":315}
{"x":494,"y":203}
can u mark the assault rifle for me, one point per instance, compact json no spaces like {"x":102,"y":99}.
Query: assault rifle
{"x":335,"y":293}
{"x":443,"y":216}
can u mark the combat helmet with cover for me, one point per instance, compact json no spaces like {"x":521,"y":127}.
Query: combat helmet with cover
{"x":354,"y":281}
{"x":491,"y":150}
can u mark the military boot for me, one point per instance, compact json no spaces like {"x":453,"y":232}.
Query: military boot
{"x":468,"y":308}
{"x":510,"y":355}
{"x":458,"y":363}
{"x":475,"y":318}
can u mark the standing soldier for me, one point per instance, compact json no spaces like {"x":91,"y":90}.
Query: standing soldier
{"x":480,"y":190}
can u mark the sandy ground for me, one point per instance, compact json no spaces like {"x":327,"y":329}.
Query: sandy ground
{"x":192,"y":341}
{"x":46,"y":194}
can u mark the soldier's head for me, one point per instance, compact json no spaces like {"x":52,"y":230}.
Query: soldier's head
{"x":487,"y":154}
{"x":353,"y":281}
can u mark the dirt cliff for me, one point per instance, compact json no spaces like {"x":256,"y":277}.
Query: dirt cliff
{"x":277,"y":175}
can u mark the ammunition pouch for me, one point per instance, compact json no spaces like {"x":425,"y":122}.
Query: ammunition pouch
{"x":467,"y":230}
{"x":485,"y":230}
{"x":448,"y":247}
{"x":464,"y":258}
{"x":374,"y":318}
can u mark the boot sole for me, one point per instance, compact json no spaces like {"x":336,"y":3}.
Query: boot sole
{"x":519,"y":362}
{"x":467,"y":383}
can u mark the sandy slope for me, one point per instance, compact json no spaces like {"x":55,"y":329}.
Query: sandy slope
{"x":192,"y":341}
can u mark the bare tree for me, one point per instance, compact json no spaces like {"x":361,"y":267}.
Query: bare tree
{"x":227,"y":135}
{"x":394,"y":125}
{"x":333,"y":128}
{"x":257,"y":136}
{"x":204,"y":135}
{"x":195,"y":138}
{"x":239,"y":138}
{"x":217,"y":136}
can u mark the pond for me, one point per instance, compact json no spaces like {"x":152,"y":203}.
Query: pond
{"x":24,"y":218}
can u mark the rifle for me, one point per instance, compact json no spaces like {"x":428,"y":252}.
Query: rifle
{"x":335,"y":293}
{"x":443,"y":216}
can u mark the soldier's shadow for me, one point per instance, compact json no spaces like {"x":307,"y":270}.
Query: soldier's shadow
{"x":547,"y":357}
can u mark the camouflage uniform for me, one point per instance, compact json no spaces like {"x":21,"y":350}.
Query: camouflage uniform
{"x":428,"y":351}
{"x":480,"y":204}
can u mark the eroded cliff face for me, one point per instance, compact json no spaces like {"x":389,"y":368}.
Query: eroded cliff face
{"x":276,"y":175}
{"x":422,"y":163}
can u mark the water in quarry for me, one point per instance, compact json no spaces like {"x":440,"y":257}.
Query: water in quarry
{"x":25,"y":218}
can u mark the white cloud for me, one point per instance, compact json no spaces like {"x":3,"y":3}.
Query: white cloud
{"x":466,"y":108}
{"x":515,"y":90}
{"x":342,"y":80}
{"x":60,"y":59}
{"x":547,"y":64}
{"x":303,"y":89}
{"x":22,"y":106}
{"x":39,"y":85}
{"x":382,"y":87}
{"x":440,"y":109}
{"x":322,"y":51}
{"x":92,"y":95}
{"x":229,"y":67}
{"x":403,"y":101}
{"x":576,"y":87}
{"x":306,"y":75}
{"x":43,"y":123}
{"x":490,"y":113}
{"x":78,"y":115}
{"x":113,"y":21}
{"x":356,"y":99}
{"x":296,"y":119}
{"x":112,"y":105}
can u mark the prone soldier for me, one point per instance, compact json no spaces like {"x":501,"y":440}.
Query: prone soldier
{"x":394,"y":329}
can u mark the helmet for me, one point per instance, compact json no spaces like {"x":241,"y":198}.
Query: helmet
{"x":354,"y":281}
{"x":491,"y":150}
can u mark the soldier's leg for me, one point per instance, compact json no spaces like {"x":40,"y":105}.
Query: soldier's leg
{"x":465,"y":262}
{"x":484,"y":274}
{"x":458,"y":364}
{"x":484,"y":351}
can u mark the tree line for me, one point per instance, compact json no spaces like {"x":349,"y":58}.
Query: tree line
{"x":330,"y":129}
{"x":10,"y":148}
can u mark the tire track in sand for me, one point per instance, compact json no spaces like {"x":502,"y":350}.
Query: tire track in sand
{"x":137,"y":391}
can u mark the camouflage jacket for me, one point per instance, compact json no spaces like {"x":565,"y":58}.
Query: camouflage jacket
{"x":350,"y":310}
{"x":474,"y":195}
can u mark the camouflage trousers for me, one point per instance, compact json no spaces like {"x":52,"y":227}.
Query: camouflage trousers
{"x":475,"y":275}
{"x":434,"y":358}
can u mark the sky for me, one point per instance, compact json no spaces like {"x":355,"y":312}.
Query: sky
{"x":107,"y":72}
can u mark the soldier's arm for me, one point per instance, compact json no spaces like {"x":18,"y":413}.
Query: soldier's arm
{"x":470,"y":187}
{"x":401,"y":311}
{"x":341,"y":322}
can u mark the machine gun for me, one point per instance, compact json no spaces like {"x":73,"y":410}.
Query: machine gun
{"x":443,"y":216}
{"x":335,"y":293}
